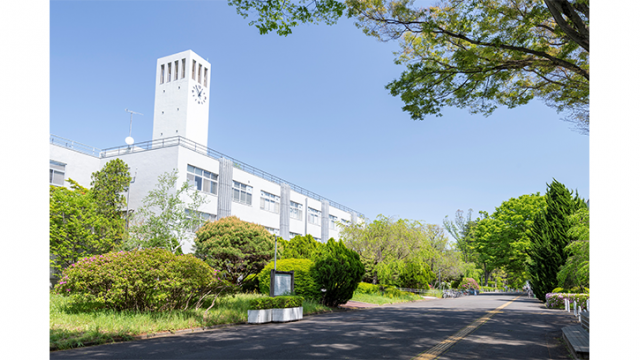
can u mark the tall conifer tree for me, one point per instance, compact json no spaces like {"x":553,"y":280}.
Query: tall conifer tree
{"x":550,"y":237}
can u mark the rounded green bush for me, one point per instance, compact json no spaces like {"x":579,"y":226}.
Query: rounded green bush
{"x":304,"y":283}
{"x":559,"y":290}
{"x":239,"y":248}
{"x":149,"y":279}
{"x":366,"y":288}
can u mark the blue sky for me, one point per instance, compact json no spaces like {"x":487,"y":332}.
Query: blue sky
{"x":310,"y":108}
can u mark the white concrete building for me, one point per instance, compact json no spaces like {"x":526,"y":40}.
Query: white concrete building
{"x":180,"y":128}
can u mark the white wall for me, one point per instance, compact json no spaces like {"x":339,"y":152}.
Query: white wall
{"x":189,"y":157}
{"x":297,"y":226}
{"x":313,"y":229}
{"x":253,"y":213}
{"x":147,"y":166}
{"x":79,"y":166}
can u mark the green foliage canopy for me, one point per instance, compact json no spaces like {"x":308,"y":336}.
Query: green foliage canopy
{"x":282,"y":15}
{"x":237,"y":247}
{"x":75,"y":226}
{"x":475,"y":54}
{"x":575,"y":272}
{"x":300,"y":247}
{"x":85,"y":222}
{"x":386,"y":245}
{"x":503,"y":237}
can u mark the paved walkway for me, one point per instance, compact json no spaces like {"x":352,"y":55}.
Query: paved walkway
{"x":520,"y":329}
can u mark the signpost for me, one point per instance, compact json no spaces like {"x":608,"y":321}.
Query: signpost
{"x":281,"y":281}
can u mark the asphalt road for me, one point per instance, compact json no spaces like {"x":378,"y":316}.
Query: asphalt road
{"x":522,"y":330}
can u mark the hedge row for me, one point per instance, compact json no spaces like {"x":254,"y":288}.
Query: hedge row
{"x":556,"y":301}
{"x":278,"y":302}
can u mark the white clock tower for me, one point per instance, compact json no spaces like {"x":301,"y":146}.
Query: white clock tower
{"x":182,"y":97}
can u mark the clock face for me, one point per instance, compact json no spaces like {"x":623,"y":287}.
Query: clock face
{"x":199,"y":94}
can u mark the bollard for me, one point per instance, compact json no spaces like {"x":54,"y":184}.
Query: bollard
{"x":575,"y":308}
{"x":579,"y":313}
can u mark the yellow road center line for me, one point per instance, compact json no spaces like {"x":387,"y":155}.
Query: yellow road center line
{"x":443,"y":346}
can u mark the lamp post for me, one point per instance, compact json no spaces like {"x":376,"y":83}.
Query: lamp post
{"x":128,"y":191}
{"x":275,"y":256}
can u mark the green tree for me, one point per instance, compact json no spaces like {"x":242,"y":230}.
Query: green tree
{"x":385,"y":241}
{"x":550,"y":237}
{"x":504,"y":236}
{"x":237,"y":247}
{"x":475,"y":54}
{"x":168,"y":217}
{"x":75,"y":225}
{"x":108,"y":186}
{"x":462,"y":230}
{"x":575,"y":272}
{"x":85,"y":222}
{"x":300,"y":247}
{"x":338,"y":271}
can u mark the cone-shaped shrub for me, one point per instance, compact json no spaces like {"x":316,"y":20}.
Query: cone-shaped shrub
{"x":338,"y":271}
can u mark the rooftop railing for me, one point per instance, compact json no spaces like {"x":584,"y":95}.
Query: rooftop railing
{"x":192,"y":145}
{"x":73,"y":145}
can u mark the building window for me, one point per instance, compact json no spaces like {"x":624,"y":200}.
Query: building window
{"x":199,"y":73}
{"x":314,"y":216}
{"x":56,"y":173}
{"x":193,"y":70}
{"x":203,"y":180}
{"x":317,"y":239}
{"x":168,"y":72}
{"x":292,"y":235}
{"x":176,"y":66}
{"x":295,"y":211}
{"x":242,"y":193}
{"x":161,"y":74}
{"x":344,"y":222}
{"x":332,"y":221}
{"x":273,"y":231}
{"x":204,"y":216}
{"x":269,"y":202}
{"x":206,"y":72}
{"x":184,"y":63}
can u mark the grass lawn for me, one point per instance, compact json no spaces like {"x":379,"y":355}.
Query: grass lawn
{"x":379,"y":299}
{"x":72,"y":326}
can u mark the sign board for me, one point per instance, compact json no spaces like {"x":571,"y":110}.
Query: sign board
{"x":281,"y":283}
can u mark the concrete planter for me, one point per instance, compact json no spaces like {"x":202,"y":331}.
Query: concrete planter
{"x":287,"y":314}
{"x":259,"y":316}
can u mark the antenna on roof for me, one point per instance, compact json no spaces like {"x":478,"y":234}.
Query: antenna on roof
{"x":129,"y":139}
